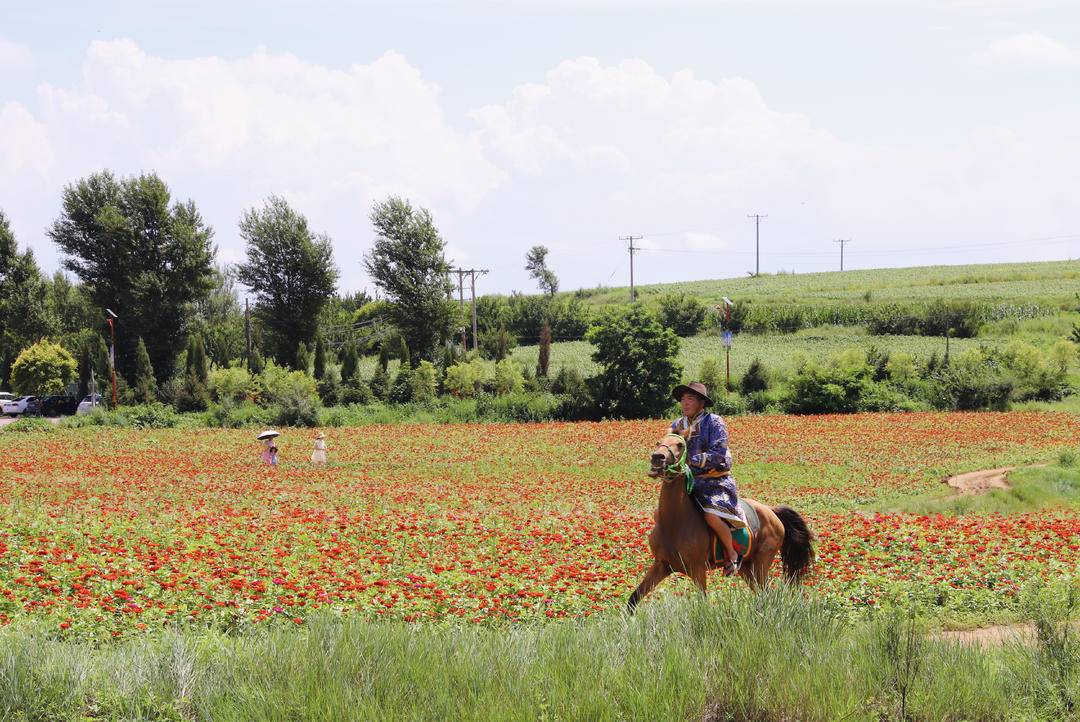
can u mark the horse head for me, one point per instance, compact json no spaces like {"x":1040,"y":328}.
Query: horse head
{"x":667,"y":456}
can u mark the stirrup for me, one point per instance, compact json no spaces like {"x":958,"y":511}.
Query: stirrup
{"x":731,"y":568}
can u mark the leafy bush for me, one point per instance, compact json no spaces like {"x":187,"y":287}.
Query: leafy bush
{"x":43,"y":368}
{"x":401,"y":388}
{"x":28,"y":424}
{"x":150,"y":416}
{"x":831,"y":389}
{"x":755,"y":379}
{"x":466,"y":378}
{"x":229,"y":383}
{"x":518,"y":407}
{"x":232,"y":415}
{"x":496,"y":345}
{"x":508,"y":377}
{"x":295,"y":410}
{"x":711,"y":375}
{"x":878,"y":396}
{"x":638,"y":364}
{"x":682,"y":313}
{"x":279,"y":383}
{"x":423,"y":382}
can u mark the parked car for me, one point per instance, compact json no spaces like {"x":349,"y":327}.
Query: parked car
{"x":6,"y":396}
{"x":59,"y":405}
{"x":88,"y":403}
{"x":23,"y":405}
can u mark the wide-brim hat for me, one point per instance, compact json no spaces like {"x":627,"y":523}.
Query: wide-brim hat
{"x":321,"y":435}
{"x":694,"y":387}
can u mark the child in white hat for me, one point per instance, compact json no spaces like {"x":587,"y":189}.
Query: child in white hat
{"x":318,"y":456}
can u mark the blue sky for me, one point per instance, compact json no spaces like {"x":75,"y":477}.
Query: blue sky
{"x":952,"y":128}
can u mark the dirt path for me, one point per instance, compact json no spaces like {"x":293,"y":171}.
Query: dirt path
{"x":980,"y":482}
{"x":990,"y":636}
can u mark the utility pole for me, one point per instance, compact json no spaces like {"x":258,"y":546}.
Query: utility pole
{"x":842,"y":242}
{"x":461,"y":303}
{"x":632,"y":248}
{"x":757,"y":241}
{"x":473,"y":273}
{"x":247,"y":335}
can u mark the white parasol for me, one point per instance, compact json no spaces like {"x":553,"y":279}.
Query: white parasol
{"x":268,"y":434}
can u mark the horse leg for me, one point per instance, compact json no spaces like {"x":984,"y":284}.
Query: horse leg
{"x":700,"y":577}
{"x":657,"y":573}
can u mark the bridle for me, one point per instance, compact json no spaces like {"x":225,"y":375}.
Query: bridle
{"x":678,"y":467}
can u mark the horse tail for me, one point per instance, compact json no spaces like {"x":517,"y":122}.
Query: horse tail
{"x":797,"y":551}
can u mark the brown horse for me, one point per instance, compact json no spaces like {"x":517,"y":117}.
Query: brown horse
{"x":682,"y":542}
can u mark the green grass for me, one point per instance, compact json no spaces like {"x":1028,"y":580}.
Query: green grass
{"x":1054,"y":282}
{"x":777,"y":351}
{"x":1055,"y":487}
{"x":775,"y":656}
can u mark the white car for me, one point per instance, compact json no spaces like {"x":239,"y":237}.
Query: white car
{"x":87,"y":404}
{"x":5,"y":397}
{"x":22,"y":405}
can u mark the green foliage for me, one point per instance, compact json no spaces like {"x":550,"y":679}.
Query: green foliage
{"x":350,"y":364}
{"x":256,"y":363}
{"x":536,"y":265}
{"x":44,"y":368}
{"x":638,"y":364}
{"x":218,"y":319}
{"x":466,"y":378}
{"x":290,"y":270}
{"x":320,"y":358}
{"x":196,"y":359}
{"x":302,"y":359}
{"x":279,"y":384}
{"x":145,"y":385}
{"x":543,"y":362}
{"x":524,"y":316}
{"x":683,"y":314}
{"x":711,"y":375}
{"x":139,"y":255}
{"x":408,"y":264}
{"x":27,"y":424}
{"x":295,"y":410}
{"x":496,"y":345}
{"x":380,"y":383}
{"x":401,"y":388}
{"x":423,"y":382}
{"x":151,"y":416}
{"x":233,"y":384}
{"x":508,"y":377}
{"x":24,"y":313}
{"x":830,"y":389}
{"x":755,"y":379}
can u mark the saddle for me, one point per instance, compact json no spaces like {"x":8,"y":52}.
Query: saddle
{"x":742,"y":538}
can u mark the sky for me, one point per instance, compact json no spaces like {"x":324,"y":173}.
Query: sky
{"x":926,"y":132}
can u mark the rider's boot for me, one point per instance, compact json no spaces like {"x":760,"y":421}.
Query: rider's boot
{"x":723,"y":532}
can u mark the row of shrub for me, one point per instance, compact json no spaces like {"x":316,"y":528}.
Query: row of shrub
{"x":852,"y":381}
{"x":960,"y":319}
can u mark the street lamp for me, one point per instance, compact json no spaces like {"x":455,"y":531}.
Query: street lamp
{"x":112,"y":351}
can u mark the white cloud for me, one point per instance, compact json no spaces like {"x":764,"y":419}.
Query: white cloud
{"x":15,"y":58}
{"x":228,"y":132}
{"x":1029,"y":50}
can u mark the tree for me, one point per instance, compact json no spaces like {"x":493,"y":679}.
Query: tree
{"x":408,"y":264}
{"x":139,"y":255}
{"x":24,"y":312}
{"x":681,"y":313}
{"x":44,"y":368}
{"x":638,"y":364}
{"x":755,"y":379}
{"x":544,"y":359}
{"x":320,"y":358}
{"x":302,"y":361}
{"x":292,"y":273}
{"x":536,"y":265}
{"x":219,"y":319}
{"x":145,"y":385}
{"x":196,"y":359}
{"x":350,"y":364}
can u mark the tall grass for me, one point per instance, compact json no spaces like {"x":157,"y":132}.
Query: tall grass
{"x":776,"y":656}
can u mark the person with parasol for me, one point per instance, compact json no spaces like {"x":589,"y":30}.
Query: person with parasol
{"x":269,"y":454}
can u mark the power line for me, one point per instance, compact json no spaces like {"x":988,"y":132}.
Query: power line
{"x":472,"y":272}
{"x":757,"y":241}
{"x":843,"y":242}
{"x":631,"y":248}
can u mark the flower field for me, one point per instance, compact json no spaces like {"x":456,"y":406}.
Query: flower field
{"x":111,"y":531}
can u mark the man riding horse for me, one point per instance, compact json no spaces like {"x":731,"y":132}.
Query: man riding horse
{"x":709,"y":459}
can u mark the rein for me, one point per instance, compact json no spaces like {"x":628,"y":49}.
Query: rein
{"x":680,"y":466}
